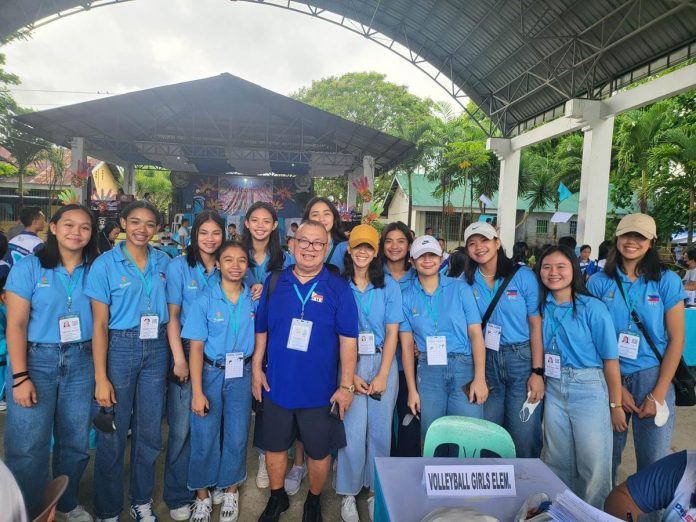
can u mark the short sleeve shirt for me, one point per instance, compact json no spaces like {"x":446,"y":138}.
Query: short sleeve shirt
{"x":306,"y":379}
{"x":651,"y":300}
{"x":336,"y":257}
{"x":184,"y":283}
{"x":45,"y":290}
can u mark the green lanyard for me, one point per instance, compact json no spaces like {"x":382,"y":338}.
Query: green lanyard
{"x":147,"y":281}
{"x":555,"y":323}
{"x":70,"y":288}
{"x":629,"y":301}
{"x":364,"y":309}
{"x":234,"y":311}
{"x":304,"y":299}
{"x":434,"y":314}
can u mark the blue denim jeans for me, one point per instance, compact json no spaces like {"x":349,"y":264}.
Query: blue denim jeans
{"x":651,"y":443}
{"x":137,"y":370}
{"x":368,"y":425}
{"x":578,"y":432}
{"x":176,"y":493}
{"x":440,"y":389}
{"x":219,"y":439}
{"x":507,"y":372}
{"x":63,"y":375}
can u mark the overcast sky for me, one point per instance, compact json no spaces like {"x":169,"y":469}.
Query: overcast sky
{"x":146,"y":43}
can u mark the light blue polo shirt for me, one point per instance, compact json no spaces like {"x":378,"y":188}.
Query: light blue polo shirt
{"x":114,"y":281}
{"x":306,"y":379}
{"x":519,"y":302}
{"x":406,"y":279}
{"x":337,"y":257}
{"x":43,"y":288}
{"x":258,"y":274}
{"x":455,"y":311}
{"x":585,"y":338}
{"x":651,"y":299}
{"x":378,"y":307}
{"x":212,"y":317}
{"x":184,"y":283}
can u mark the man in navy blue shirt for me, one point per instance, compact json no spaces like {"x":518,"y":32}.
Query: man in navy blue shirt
{"x":307,"y":326}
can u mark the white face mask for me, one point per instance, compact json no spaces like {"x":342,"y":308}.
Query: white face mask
{"x":661,"y":414}
{"x":528,"y":409}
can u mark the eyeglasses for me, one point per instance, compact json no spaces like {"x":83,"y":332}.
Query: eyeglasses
{"x":305,"y":244}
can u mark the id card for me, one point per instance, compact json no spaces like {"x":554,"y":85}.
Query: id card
{"x":493,"y":334}
{"x":234,"y":365}
{"x":300,"y":331}
{"x":437,"y":350}
{"x":69,"y":328}
{"x":149,"y":326}
{"x":628,"y":345}
{"x":552,"y":365}
{"x":366,"y":343}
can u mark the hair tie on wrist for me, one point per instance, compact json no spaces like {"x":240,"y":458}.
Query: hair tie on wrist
{"x":20,"y":374}
{"x":15,"y":385}
{"x":650,"y":396}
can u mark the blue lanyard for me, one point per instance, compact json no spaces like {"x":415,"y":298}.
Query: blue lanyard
{"x":147,"y":281}
{"x":74,"y":279}
{"x":330,"y":252}
{"x":434,"y":314}
{"x":304,"y":299}
{"x":201,"y":273}
{"x":364,"y":309}
{"x":555,"y":324}
{"x":629,"y":301}
{"x":490,"y":293}
{"x":262,"y":267}
{"x":234,"y":311}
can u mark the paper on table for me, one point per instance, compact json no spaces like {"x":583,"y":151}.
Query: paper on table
{"x":568,"y":507}
{"x":561,"y":217}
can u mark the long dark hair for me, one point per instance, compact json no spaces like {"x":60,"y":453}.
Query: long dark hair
{"x":337,"y":233}
{"x":502,"y":268}
{"x":141,"y":203}
{"x":275,"y":251}
{"x":193,"y":251}
{"x":604,"y":249}
{"x":577,"y":284}
{"x":649,"y":266}
{"x":520,"y":252}
{"x":49,"y":255}
{"x":401,"y":227}
{"x":457,"y":261}
{"x":375,"y":271}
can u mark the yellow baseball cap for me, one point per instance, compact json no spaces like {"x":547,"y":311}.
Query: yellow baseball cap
{"x":364,"y":234}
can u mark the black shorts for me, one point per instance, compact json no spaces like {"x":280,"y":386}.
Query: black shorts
{"x":277,"y":429}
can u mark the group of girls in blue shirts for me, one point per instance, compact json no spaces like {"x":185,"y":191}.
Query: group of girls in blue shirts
{"x":126,"y":334}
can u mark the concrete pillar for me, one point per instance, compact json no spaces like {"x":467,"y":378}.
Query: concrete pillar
{"x":369,"y":173}
{"x":77,"y":149}
{"x":594,"y":182}
{"x":352,"y":193}
{"x":507,"y":190}
{"x":129,"y":179}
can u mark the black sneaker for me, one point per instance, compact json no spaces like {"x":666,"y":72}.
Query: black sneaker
{"x":277,"y":504}
{"x":312,"y":511}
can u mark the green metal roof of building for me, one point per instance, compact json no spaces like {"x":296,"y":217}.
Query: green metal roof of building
{"x":423,"y":197}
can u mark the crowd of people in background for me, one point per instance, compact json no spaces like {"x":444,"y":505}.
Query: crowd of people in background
{"x":346,"y":345}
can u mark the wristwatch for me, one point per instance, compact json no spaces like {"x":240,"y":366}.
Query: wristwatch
{"x":350,"y":388}
{"x":613,"y":405}
{"x":538,"y":371}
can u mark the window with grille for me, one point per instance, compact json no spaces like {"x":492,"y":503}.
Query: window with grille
{"x":573,"y":227}
{"x":542,"y":226}
{"x":440,"y":222}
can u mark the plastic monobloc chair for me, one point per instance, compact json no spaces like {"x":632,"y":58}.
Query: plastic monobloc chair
{"x":470,"y":435}
{"x":51,"y":495}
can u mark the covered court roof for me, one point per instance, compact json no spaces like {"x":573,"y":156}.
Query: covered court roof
{"x":518,"y":60}
{"x":218,"y":124}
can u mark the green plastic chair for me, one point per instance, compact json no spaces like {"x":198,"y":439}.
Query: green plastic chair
{"x":470,"y":435}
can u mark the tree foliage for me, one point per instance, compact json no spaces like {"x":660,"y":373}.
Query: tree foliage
{"x":156,"y":182}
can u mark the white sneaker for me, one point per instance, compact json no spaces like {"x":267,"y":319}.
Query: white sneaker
{"x":229,"y":512}
{"x":3,"y":405}
{"x":293,"y":479}
{"x":217,"y":494}
{"x":371,"y":508}
{"x":349,"y":511}
{"x":181,"y":513}
{"x":110,"y":519}
{"x":143,"y":512}
{"x":200,"y":512}
{"x":78,"y":514}
{"x":262,"y":481}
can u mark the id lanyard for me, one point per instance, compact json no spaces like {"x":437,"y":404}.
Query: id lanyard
{"x":234,"y":311}
{"x":259,"y":270}
{"x":364,"y":308}
{"x":70,"y":288}
{"x":490,"y":293}
{"x":147,"y":281}
{"x":555,"y":323}
{"x":434,"y":314}
{"x":204,"y":278}
{"x":304,"y":299}
{"x":629,"y":301}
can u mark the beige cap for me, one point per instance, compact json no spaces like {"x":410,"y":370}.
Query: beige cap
{"x":485,"y":229}
{"x":639,"y":223}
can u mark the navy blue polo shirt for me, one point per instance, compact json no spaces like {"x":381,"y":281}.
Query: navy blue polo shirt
{"x":306,"y":379}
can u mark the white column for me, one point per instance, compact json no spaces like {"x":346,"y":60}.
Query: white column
{"x":594,"y":183}
{"x":352,"y":193}
{"x":369,"y":173}
{"x":129,"y":179}
{"x":507,"y":190}
{"x":77,"y":149}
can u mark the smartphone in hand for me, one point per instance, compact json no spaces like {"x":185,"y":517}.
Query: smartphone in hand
{"x":334,"y":411}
